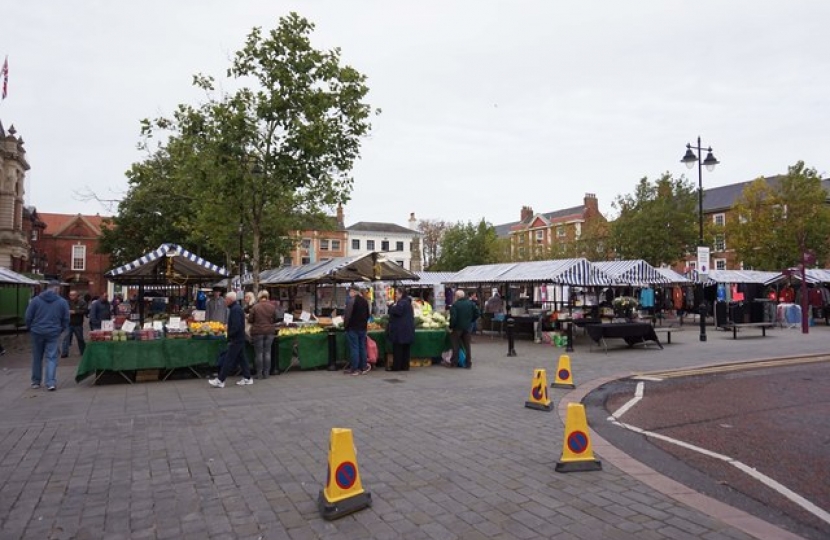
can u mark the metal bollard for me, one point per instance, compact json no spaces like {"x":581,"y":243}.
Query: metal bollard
{"x":570,"y":347}
{"x":332,"y":339}
{"x":275,"y":356}
{"x":511,"y":351}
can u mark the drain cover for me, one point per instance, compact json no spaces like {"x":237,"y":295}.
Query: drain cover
{"x":393,"y":380}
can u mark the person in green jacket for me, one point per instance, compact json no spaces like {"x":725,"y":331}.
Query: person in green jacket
{"x":463,"y":314}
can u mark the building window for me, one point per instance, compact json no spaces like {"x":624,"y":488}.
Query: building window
{"x":560,"y":231}
{"x":286,"y":261}
{"x":540,"y":237}
{"x":719,"y":219}
{"x":693,"y":265}
{"x":720,"y":264}
{"x":384,"y":245}
{"x":335,"y":245}
{"x":399,"y":262}
{"x":355,"y":244}
{"x":324,"y":245}
{"x":78,"y":258}
{"x":34,"y":234}
{"x":306,"y":243}
{"x":720,"y":243}
{"x":398,"y":246}
{"x":306,"y":260}
{"x":370,"y":245}
{"x":577,"y":230}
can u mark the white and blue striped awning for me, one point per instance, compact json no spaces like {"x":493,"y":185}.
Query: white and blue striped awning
{"x":812,"y":275}
{"x":675,"y":278}
{"x":152,"y":267}
{"x":634,"y":273}
{"x":367,"y":267}
{"x":576,"y":272}
{"x":737,"y":276}
{"x":430,"y":279}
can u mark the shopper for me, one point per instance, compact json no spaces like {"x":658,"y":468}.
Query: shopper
{"x":355,"y":321}
{"x":47,"y":317}
{"x":77,"y":310}
{"x":101,"y":310}
{"x":217,"y":307}
{"x":401,"y":329}
{"x":462,"y":314}
{"x":262,"y":317}
{"x":236,"y":345}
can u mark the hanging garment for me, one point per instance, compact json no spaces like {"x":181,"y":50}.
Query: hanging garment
{"x":647,"y":298}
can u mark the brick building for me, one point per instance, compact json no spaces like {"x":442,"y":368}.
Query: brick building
{"x":319,"y":245}
{"x":534,"y":235}
{"x":69,"y":246}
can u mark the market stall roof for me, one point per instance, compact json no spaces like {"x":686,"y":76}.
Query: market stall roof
{"x":152,"y":267}
{"x":429,"y":279}
{"x":367,"y":267}
{"x":635,"y":273}
{"x":812,"y":275}
{"x":675,"y":278}
{"x":737,"y":276}
{"x":9,"y":277}
{"x":579,"y":272}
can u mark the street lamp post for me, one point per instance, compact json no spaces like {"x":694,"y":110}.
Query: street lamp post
{"x":690,"y":158}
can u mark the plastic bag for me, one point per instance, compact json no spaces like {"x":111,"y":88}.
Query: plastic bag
{"x":462,"y":357}
{"x":371,"y":350}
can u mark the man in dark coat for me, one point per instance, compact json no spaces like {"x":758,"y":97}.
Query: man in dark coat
{"x":401,"y":329}
{"x":355,"y":321}
{"x":462,"y":314}
{"x":236,"y":345}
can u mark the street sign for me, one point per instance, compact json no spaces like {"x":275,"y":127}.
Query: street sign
{"x":702,"y":260}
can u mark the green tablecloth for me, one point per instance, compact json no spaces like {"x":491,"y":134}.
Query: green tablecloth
{"x":427,"y":344}
{"x":156,"y":354}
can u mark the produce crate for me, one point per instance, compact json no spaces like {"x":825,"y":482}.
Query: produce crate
{"x":420,"y":362}
{"x":147,"y":375}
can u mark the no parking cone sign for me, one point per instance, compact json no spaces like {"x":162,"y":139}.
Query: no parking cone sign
{"x":539,"y":392}
{"x":577,"y":454}
{"x":344,"y":492}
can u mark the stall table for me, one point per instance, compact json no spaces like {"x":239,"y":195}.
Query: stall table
{"x":631,"y":332}
{"x":166,"y":354}
{"x":427,"y":344}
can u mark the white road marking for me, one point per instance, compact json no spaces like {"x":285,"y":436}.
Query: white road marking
{"x":638,"y":395}
{"x":764,"y":479}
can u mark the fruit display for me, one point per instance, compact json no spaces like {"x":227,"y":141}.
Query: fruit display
{"x":432,"y":321}
{"x":300,"y":330}
{"x":210,"y":328}
{"x":374,"y":326}
{"x":123,"y":335}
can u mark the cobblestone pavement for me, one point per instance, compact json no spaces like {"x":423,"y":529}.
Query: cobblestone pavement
{"x":446,"y":453}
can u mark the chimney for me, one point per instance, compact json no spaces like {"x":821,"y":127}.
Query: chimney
{"x":413,"y":223}
{"x":340,"y":217}
{"x":527,"y":213}
{"x":591,"y":205}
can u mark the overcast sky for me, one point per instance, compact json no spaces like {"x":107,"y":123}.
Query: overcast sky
{"x":487,"y":105}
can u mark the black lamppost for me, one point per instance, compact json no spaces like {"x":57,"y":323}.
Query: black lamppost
{"x":241,"y":253}
{"x":690,"y":158}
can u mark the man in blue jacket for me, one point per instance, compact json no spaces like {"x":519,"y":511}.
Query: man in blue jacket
{"x":236,"y":345}
{"x":47,"y":317}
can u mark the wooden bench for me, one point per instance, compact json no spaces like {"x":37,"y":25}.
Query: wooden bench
{"x":737,"y":326}
{"x":668,"y":330}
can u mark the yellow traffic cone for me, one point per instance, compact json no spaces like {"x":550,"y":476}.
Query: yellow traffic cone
{"x":564,"y":377}
{"x":577,"y":454}
{"x":539,"y":392}
{"x":343,"y":493}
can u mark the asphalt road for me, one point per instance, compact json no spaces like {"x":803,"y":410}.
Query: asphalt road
{"x":774,"y":420}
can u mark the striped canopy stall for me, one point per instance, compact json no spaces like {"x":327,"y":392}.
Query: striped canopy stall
{"x":368,"y":267}
{"x":170,"y":263}
{"x":812,"y":275}
{"x":675,"y":278}
{"x":737,"y":276}
{"x":577,"y":272}
{"x":13,"y":278}
{"x":634,"y":273}
{"x":428,"y":279}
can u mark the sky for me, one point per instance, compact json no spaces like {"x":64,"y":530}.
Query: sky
{"x":487,"y":106}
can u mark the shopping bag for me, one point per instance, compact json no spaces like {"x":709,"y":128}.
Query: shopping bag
{"x":462,"y":357}
{"x":371,"y":350}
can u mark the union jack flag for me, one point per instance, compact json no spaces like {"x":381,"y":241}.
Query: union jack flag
{"x":5,"y":74}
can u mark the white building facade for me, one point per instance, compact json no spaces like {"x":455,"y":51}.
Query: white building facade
{"x":398,"y":244}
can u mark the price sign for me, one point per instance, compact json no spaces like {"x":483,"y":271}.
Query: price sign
{"x":128,"y":326}
{"x":288,"y":318}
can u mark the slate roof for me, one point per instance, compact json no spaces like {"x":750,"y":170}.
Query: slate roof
{"x":504,"y":229}
{"x":375,"y":227}
{"x":724,"y":197}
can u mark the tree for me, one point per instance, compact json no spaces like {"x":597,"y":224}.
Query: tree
{"x":433,"y":231}
{"x":267,"y":159}
{"x":775,"y":224}
{"x":466,"y":244}
{"x":593,"y":241}
{"x":657,"y":223}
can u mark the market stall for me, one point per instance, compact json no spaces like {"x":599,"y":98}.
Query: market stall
{"x":739,"y":296}
{"x":169,"y":341}
{"x":15,"y":292}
